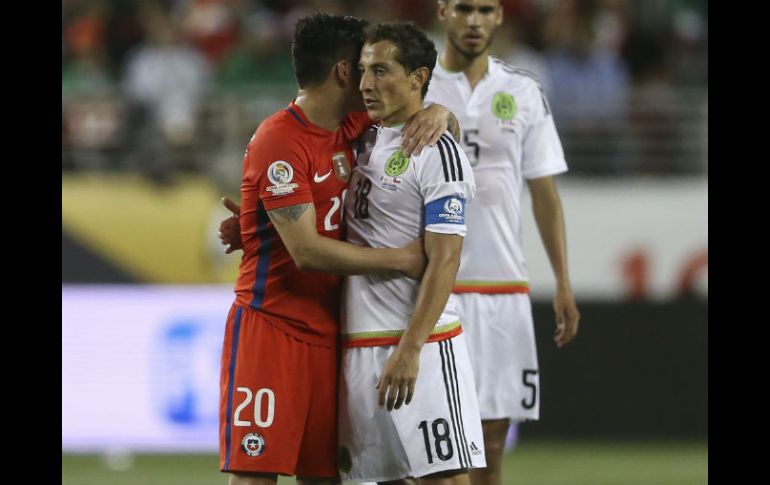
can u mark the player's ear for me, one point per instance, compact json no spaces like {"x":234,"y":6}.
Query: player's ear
{"x":419,"y":77}
{"x":442,"y":6}
{"x":343,"y":72}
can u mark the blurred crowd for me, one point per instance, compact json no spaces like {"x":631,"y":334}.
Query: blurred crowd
{"x":150,"y":85}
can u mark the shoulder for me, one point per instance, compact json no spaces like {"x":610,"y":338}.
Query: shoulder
{"x":279,"y":129}
{"x":280,"y":121}
{"x":514,"y":74}
{"x":430,"y":152}
{"x":524,"y":82}
{"x":278,"y":137}
{"x":445,"y":157}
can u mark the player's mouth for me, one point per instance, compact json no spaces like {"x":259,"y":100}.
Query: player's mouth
{"x":473,"y":39}
{"x":370,"y":103}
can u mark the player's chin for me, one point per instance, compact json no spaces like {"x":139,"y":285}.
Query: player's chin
{"x":374,"y":113}
{"x":473,"y":50}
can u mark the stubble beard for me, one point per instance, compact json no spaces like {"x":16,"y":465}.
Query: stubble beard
{"x":472,"y":54}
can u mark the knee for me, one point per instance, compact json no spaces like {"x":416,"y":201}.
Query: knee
{"x":494,"y":448}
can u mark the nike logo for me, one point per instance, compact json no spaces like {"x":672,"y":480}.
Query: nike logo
{"x":318,"y":179}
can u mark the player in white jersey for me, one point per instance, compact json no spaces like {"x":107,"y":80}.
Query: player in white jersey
{"x":395,"y":328}
{"x":509,"y":136}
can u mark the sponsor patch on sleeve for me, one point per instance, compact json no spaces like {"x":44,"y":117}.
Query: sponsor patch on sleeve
{"x":280,"y":173}
{"x":446,"y":210}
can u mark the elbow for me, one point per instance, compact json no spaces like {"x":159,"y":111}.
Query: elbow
{"x":303,"y":264}
{"x":303,"y":258}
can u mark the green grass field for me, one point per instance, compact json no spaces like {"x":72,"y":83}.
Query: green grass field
{"x":532,"y":463}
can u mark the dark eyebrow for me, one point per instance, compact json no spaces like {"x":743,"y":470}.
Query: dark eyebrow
{"x":376,"y":65}
{"x":464,"y":7}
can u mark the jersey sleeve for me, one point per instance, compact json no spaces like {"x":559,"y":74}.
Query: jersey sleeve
{"x":542,"y":152}
{"x":355,"y":123}
{"x":277,"y":167}
{"x":447,"y":185}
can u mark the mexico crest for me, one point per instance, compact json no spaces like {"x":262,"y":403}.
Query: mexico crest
{"x":396,"y":164}
{"x":504,"y":106}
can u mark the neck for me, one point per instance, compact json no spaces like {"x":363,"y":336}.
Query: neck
{"x":402,"y":115}
{"x":474,"y":68}
{"x":322,"y":106}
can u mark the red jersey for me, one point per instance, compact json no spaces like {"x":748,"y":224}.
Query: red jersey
{"x":291,"y":161}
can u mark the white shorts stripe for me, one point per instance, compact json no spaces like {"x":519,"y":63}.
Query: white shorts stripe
{"x":451,"y":394}
{"x":459,"y":407}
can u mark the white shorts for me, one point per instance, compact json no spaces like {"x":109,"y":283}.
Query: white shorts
{"x":439,"y":430}
{"x":501,"y":343}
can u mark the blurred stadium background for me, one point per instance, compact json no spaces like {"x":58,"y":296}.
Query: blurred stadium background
{"x":159,"y":99}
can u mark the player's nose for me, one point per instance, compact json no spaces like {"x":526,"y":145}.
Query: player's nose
{"x":366,"y":83}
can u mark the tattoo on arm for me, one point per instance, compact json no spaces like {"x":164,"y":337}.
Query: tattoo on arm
{"x":288,"y":214}
{"x":454,"y":127}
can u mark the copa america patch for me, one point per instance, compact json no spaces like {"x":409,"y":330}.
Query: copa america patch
{"x":446,"y":210}
{"x":253,"y":444}
{"x":280,"y":174}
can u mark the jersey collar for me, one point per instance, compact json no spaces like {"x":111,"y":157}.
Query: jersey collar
{"x":389,"y":134}
{"x":299,"y":115}
{"x":296,"y":112}
{"x":492,"y":68}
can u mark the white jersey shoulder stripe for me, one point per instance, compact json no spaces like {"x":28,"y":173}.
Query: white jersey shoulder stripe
{"x":455,"y":163}
{"x":511,"y":69}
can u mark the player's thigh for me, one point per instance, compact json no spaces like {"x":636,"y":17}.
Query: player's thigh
{"x":264,"y":396}
{"x":441,"y":428}
{"x":318,"y":452}
{"x":370,"y":448}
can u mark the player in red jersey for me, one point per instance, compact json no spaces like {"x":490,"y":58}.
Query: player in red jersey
{"x":278,"y":394}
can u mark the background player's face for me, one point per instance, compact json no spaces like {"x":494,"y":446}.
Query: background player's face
{"x":389,"y":92}
{"x":470,"y":24}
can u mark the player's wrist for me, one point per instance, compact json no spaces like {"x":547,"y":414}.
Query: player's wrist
{"x":409,"y":345}
{"x":563,"y":285}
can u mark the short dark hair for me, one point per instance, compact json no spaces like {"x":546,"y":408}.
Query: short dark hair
{"x":413,"y":48}
{"x":320,"y":41}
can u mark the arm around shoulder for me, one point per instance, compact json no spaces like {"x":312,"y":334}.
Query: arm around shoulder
{"x":296,"y":225}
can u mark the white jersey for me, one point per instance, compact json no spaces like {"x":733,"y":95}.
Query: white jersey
{"x":391,"y":201}
{"x":509,"y":135}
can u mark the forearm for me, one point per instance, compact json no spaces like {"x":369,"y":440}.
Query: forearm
{"x":432,"y":296}
{"x":329,"y":255}
{"x":296,"y":225}
{"x":550,"y":224}
{"x":549,"y":216}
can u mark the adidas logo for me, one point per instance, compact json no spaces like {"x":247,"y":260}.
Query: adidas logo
{"x":475,"y":449}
